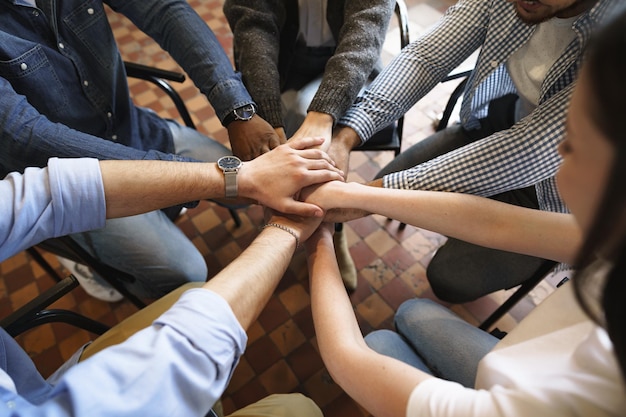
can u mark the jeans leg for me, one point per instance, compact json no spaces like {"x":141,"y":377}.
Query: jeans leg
{"x":193,"y":144}
{"x":389,"y":343}
{"x":151,"y":248}
{"x":448,"y":345}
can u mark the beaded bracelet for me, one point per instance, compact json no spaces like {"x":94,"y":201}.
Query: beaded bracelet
{"x":286,"y":229}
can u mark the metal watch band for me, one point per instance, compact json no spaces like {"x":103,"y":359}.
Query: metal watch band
{"x":230,"y":183}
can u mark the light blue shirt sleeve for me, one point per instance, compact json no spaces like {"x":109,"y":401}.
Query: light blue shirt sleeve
{"x":66,"y":197}
{"x":178,"y":366}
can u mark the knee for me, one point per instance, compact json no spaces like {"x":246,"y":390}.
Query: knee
{"x":286,"y":405}
{"x":448,"y":285}
{"x":413,"y":314}
{"x":381,"y":341}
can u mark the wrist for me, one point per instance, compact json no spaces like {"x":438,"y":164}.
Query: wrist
{"x":285,"y":229}
{"x":347,"y":137}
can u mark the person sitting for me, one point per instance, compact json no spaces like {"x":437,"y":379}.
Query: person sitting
{"x":304,"y":63}
{"x":568,"y":356}
{"x":182,"y":351}
{"x":511,"y":118}
{"x":65,"y":93}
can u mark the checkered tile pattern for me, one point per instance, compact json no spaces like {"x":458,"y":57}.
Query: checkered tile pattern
{"x":282,"y":354}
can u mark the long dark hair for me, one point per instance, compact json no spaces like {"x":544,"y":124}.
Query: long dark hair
{"x":605,"y":72}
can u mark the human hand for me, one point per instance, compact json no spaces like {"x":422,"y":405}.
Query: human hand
{"x":343,"y":141}
{"x":275,"y":177}
{"x":251,"y":138}
{"x":329,"y":196}
{"x":316,"y":125}
{"x":303,"y":227}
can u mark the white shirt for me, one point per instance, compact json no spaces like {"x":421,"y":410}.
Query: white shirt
{"x":314,"y":28}
{"x":556,"y":362}
{"x":530,"y":64}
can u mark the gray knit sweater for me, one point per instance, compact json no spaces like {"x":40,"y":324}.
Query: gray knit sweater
{"x":265,"y":33}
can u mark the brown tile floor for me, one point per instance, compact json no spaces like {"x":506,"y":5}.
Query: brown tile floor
{"x":282,"y":353}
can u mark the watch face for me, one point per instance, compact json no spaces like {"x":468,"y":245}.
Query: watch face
{"x":245,"y":112}
{"x":229,"y":162}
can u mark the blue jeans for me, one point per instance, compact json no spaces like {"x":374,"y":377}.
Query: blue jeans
{"x":149,"y":246}
{"x":433,"y":339}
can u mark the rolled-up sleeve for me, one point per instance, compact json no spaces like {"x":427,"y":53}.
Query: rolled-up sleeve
{"x":66,"y":197}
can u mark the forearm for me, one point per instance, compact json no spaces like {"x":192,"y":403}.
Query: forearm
{"x":182,"y":33}
{"x":256,"y":33}
{"x":248,"y":282}
{"x":359,"y":42}
{"x":134,"y":187}
{"x":418,"y":68}
{"x":474,"y":219}
{"x":515,"y":158}
{"x":342,"y":346}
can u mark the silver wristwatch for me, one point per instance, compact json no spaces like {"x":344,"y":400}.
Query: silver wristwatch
{"x":230,"y":166}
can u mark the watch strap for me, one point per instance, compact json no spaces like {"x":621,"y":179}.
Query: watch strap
{"x":230,"y":184}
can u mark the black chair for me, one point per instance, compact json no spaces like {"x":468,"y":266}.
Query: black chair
{"x":36,"y":312}
{"x":390,"y":137}
{"x":65,"y":246}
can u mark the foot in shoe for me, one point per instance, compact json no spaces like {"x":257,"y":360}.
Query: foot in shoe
{"x":344,"y":261}
{"x":85,"y":277}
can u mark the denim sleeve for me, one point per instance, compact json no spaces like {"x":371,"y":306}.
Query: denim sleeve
{"x":180,"y":31}
{"x":28,"y":138}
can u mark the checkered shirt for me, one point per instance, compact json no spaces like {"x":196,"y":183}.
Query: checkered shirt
{"x":521,"y":156}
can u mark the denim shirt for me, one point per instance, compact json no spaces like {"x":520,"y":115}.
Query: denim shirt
{"x":63,"y":83}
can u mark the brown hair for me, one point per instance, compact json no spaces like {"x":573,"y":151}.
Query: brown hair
{"x":605,"y":72}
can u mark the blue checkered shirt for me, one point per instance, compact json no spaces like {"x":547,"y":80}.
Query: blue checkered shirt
{"x":524,"y":155}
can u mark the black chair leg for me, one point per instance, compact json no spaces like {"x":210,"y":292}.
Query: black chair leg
{"x":520,"y":293}
{"x":34,"y":253}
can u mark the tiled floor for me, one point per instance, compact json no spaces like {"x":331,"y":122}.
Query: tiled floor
{"x":282,"y":354}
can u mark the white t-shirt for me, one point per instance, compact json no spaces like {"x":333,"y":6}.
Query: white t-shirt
{"x":556,"y":362}
{"x":529,"y":65}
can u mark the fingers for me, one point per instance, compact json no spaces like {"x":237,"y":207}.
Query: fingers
{"x":304,"y":142}
{"x":302,"y":209}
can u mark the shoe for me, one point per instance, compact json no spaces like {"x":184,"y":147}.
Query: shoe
{"x":344,"y":260}
{"x":85,"y":277}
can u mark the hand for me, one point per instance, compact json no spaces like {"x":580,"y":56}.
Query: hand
{"x":251,"y":138}
{"x":343,"y":141}
{"x":327,"y":195}
{"x":316,"y":125}
{"x":275,"y":177}
{"x":302,"y":226}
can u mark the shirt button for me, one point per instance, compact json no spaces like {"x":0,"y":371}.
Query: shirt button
{"x":494,"y":64}
{"x":90,"y":10}
{"x":61,"y":46}
{"x":23,"y":66}
{"x":114,"y":137}
{"x":109,"y":114}
{"x":36,"y":13}
{"x":11,"y":404}
{"x":86,"y":83}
